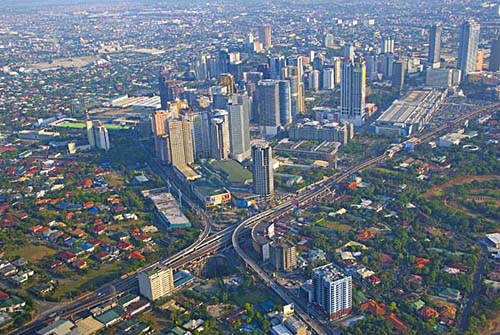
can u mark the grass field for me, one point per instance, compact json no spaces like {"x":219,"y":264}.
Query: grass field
{"x":77,"y":281}
{"x":335,"y":225}
{"x":437,"y":190}
{"x":81,"y":125}
{"x":32,"y":253}
{"x":236,"y":173}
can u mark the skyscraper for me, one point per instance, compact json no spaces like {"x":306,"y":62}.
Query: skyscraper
{"x":158,"y":120}
{"x":265,"y":36}
{"x":180,"y":142}
{"x":387,"y":45}
{"x":276,"y":65}
{"x":285,"y":101}
{"x":226,"y":80}
{"x":332,"y":291}
{"x":296,"y":68}
{"x":435,"y":45}
{"x":328,"y":41}
{"x":352,"y":92}
{"x":239,"y":127}
{"x":219,"y":135}
{"x":166,"y":92}
{"x":467,"y":51}
{"x":89,"y":126}
{"x":371,"y":66}
{"x":262,"y":172}
{"x":399,"y":73}
{"x":156,"y":283}
{"x":101,"y":137}
{"x":201,"y":133}
{"x":349,"y":51}
{"x":495,"y":55}
{"x":268,"y":103}
{"x":328,"y":78}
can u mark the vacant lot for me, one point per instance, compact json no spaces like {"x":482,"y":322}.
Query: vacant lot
{"x":437,"y":190}
{"x":32,"y":253}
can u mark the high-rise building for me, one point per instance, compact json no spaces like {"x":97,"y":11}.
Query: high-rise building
{"x":222,"y":63}
{"x":167,"y":89}
{"x":435,"y":45}
{"x":467,"y":51}
{"x":387,"y":45}
{"x":265,"y":36}
{"x":349,"y":51}
{"x":201,"y":68}
{"x":156,"y":283}
{"x":328,"y":41}
{"x":480,"y":61}
{"x":283,"y":255}
{"x":262,"y":172}
{"x":89,"y":126}
{"x":352,"y":92}
{"x":313,"y":80}
{"x":399,"y":73}
{"x":371,"y":66}
{"x":332,"y":291}
{"x":97,"y":134}
{"x":289,"y":74}
{"x":219,"y":135}
{"x":239,"y":127}
{"x":285,"y":101}
{"x":328,"y":78}
{"x":180,"y":142}
{"x":337,"y":65}
{"x":296,"y":68}
{"x":101,"y":137}
{"x":201,"y":133}
{"x":276,"y":65}
{"x":226,"y":80}
{"x":268,"y":102}
{"x":158,"y":120}
{"x":495,"y":55}
{"x":387,"y":61}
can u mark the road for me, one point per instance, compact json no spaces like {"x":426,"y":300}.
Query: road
{"x":478,"y":276}
{"x":209,"y":244}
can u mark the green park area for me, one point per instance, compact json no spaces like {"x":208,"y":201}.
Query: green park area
{"x":81,"y":125}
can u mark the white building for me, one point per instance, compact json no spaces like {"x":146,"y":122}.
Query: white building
{"x":332,"y":291}
{"x":156,"y":283}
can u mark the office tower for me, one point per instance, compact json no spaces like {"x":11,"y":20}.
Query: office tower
{"x":90,"y":130}
{"x":467,"y":51}
{"x":276,"y":65}
{"x":371,"y":66}
{"x":201,"y":133}
{"x":495,"y":55}
{"x":352,"y":92}
{"x":328,"y":78}
{"x":289,"y":74}
{"x":265,"y":36}
{"x":328,"y":41}
{"x":480,"y":61}
{"x":399,"y":73}
{"x":387,"y":45}
{"x":166,"y":90}
{"x":283,"y":255}
{"x":158,"y":120}
{"x":296,"y":69}
{"x":222,"y":62}
{"x":239,"y":127}
{"x":349,"y":51}
{"x":435,"y":45}
{"x":262,"y":172}
{"x":201,"y":68}
{"x":101,"y":137}
{"x":180,"y":142}
{"x":318,"y":62}
{"x":219,"y":135}
{"x":337,"y":64}
{"x":285,"y":102}
{"x":226,"y":80}
{"x":212,"y":67}
{"x":156,"y":283}
{"x":268,"y":105}
{"x":387,"y":61}
{"x":314,"y":80}
{"x":332,"y":291}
